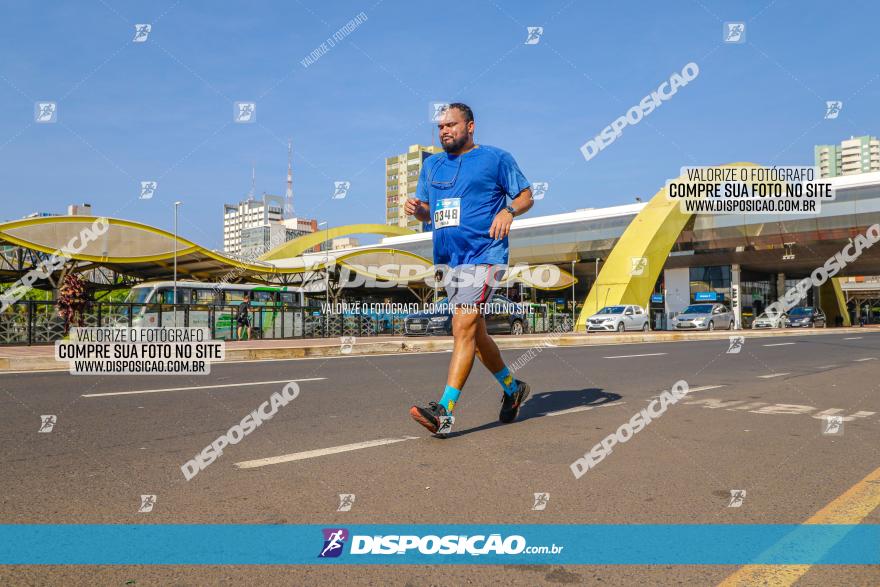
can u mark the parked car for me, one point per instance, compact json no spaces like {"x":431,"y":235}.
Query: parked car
{"x":767,"y":321}
{"x":502,"y":317}
{"x":806,"y":317}
{"x":618,"y":318}
{"x":704,"y":317}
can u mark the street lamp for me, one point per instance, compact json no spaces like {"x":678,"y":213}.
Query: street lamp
{"x":326,"y":279}
{"x":174,"y":300}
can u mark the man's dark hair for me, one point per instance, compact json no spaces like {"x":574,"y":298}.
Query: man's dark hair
{"x":465,"y":110}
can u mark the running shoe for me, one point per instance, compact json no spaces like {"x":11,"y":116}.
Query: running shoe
{"x":428,"y":417}
{"x":510,"y":403}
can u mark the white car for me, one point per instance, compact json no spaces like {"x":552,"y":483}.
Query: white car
{"x":767,"y":321}
{"x":618,"y":319}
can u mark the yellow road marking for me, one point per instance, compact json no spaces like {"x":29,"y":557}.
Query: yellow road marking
{"x":851,"y":507}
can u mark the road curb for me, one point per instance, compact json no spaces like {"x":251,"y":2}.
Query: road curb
{"x":438,"y":344}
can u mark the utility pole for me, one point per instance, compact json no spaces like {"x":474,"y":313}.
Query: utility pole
{"x":288,"y":196}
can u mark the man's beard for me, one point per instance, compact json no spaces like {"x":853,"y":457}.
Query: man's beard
{"x":455,"y":145}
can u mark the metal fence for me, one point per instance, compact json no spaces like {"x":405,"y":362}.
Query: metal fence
{"x":37,"y":322}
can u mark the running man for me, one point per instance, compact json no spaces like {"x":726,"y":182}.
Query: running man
{"x":464,"y":192}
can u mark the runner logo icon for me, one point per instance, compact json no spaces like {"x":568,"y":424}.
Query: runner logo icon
{"x":148,"y":502}
{"x":534,"y":35}
{"x":334,"y":540}
{"x":541,"y":500}
{"x":833,"y":425}
{"x":737,"y":496}
{"x":638,"y":266}
{"x":736,"y":344}
{"x":346,"y":500}
{"x":734,"y":32}
{"x":47,"y":423}
{"x":832,"y":109}
{"x":446,"y":423}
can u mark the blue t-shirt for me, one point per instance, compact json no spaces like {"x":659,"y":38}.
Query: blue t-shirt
{"x":477,"y":183}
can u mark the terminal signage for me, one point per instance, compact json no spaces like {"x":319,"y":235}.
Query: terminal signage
{"x":708,"y":296}
{"x":656,"y":298}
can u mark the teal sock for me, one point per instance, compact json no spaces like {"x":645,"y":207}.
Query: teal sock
{"x":505,"y":378}
{"x":450,"y":396}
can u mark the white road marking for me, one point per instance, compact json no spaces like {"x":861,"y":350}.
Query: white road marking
{"x":583,"y":408}
{"x":310,"y":454}
{"x":241,"y":384}
{"x":772,"y":375}
{"x":865,"y":359}
{"x":853,"y":338}
{"x":570,"y":411}
{"x":690,"y":390}
{"x":630,"y":356}
{"x":827,"y":366}
{"x":704,"y":388}
{"x":780,"y":344}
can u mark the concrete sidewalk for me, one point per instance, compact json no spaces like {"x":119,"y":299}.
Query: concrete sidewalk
{"x":42,"y":358}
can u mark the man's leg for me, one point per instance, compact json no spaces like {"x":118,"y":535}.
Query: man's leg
{"x":487,"y":350}
{"x":515,"y":391}
{"x":466,"y":323}
{"x":462,"y":296}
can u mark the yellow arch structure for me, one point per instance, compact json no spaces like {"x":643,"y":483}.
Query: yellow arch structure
{"x":386,"y":256}
{"x":635,"y":262}
{"x":299,"y":245}
{"x":833,"y":302}
{"x":130,"y":246}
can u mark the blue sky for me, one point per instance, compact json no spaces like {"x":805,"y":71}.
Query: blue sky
{"x":162,"y":110}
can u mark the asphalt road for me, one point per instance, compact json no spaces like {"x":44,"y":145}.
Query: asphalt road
{"x":753,"y":422}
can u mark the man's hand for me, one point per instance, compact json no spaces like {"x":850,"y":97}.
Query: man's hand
{"x":417,"y":208}
{"x":521,"y":204}
{"x":501,"y":225}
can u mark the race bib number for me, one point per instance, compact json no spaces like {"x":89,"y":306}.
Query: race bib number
{"x":447,"y":213}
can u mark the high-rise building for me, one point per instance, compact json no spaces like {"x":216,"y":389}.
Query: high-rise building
{"x":344,"y":242}
{"x":851,"y":156}
{"x":250,"y":213}
{"x":401,"y":177}
{"x":257,"y":240}
{"x":297,"y":227}
{"x":79,"y":210}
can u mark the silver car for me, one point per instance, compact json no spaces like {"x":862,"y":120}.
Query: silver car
{"x":618,"y":319}
{"x":704,"y":317}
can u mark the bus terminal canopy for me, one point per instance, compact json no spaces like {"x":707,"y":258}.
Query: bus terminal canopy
{"x":147,"y":253}
{"x":133,"y":249}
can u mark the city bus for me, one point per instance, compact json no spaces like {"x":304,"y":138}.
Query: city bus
{"x":153,"y":305}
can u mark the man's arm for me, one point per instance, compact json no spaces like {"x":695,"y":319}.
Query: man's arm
{"x":521,"y":204}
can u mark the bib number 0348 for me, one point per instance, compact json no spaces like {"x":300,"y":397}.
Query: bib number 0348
{"x":447,"y":213}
